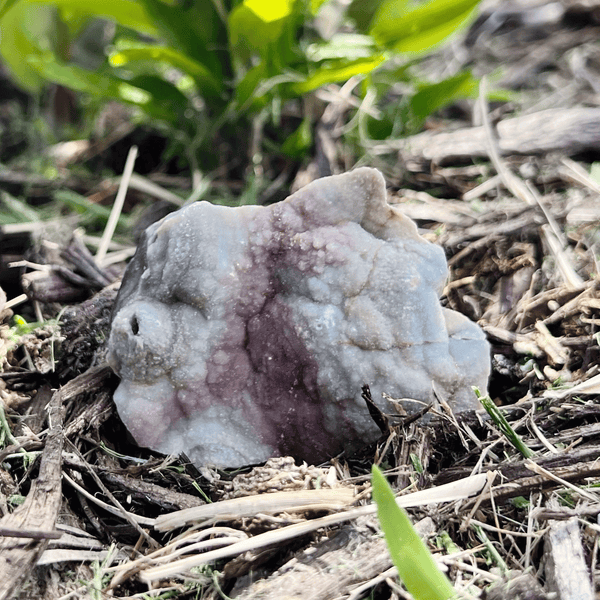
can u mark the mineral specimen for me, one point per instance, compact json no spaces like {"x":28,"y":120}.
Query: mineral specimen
{"x":245,"y":333}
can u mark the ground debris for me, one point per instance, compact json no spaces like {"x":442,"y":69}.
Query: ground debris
{"x":517,"y":586}
{"x":574,"y":131}
{"x":566,"y":569}
{"x":349,"y":557}
{"x":527,"y":271}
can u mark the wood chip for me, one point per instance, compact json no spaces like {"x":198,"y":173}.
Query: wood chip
{"x":573,"y":130}
{"x":567,"y":574}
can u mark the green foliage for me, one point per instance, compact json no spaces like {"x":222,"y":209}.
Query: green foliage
{"x":209,"y":67}
{"x":415,"y":27}
{"x":415,"y":564}
{"x":432,"y":96}
{"x":493,"y":554}
{"x":503,"y":425}
{"x":91,"y":215}
{"x":7,"y":439}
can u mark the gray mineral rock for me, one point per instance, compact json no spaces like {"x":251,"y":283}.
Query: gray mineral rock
{"x":245,"y":333}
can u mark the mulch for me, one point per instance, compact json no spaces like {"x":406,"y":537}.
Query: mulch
{"x":507,"y":190}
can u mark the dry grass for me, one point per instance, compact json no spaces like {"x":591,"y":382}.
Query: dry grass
{"x":521,"y":232}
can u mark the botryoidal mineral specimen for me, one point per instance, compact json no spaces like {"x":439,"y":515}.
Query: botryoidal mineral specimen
{"x":245,"y":333}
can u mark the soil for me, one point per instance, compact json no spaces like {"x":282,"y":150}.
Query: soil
{"x":511,"y":191}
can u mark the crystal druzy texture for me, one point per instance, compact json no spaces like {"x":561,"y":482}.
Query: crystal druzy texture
{"x":245,"y":333}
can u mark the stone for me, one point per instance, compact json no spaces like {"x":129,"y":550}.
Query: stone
{"x":246,"y":333}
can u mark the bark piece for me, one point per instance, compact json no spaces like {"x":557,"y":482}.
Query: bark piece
{"x":567,"y":573}
{"x":571,"y":131}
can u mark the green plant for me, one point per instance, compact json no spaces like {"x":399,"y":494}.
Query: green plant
{"x":207,"y":68}
{"x":493,"y":554}
{"x":100,"y":578}
{"x":13,"y":338}
{"x":6,"y":439}
{"x":416,"y":566}
{"x":503,"y":425}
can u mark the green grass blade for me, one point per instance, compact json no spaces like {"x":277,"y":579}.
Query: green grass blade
{"x":139,"y":52}
{"x":503,"y":425}
{"x":157,"y":97}
{"x":433,"y":96}
{"x":415,"y":564}
{"x":264,"y":28}
{"x":18,"y":25}
{"x":341,"y":71}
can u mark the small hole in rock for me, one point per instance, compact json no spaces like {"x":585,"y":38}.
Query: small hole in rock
{"x":135,"y":326}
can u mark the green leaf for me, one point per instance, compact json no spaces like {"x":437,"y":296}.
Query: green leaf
{"x":77,"y":78}
{"x":416,"y":567}
{"x":81,"y":205}
{"x":269,"y":31}
{"x":270,"y":12}
{"x":315,"y":5}
{"x":24,"y":30}
{"x":162,"y":92}
{"x":14,"y":210}
{"x":125,"y":12}
{"x":257,"y":89}
{"x":409,"y":26}
{"x":109,"y":87}
{"x":338,"y":71}
{"x":244,"y":91}
{"x":138,"y":52}
{"x":5,"y":6}
{"x":90,"y":212}
{"x":433,"y":96}
{"x":362,"y":12}
{"x":195,"y":28}
{"x":503,"y":425}
{"x":298,"y":144}
{"x":255,"y":25}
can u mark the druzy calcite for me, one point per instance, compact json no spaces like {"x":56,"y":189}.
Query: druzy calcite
{"x":245,"y":333}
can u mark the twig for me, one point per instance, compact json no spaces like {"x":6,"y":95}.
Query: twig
{"x":539,"y":470}
{"x":117,"y":206}
{"x":31,"y":534}
{"x":460,"y":490}
{"x":132,"y":521}
{"x":16,"y":301}
{"x":108,"y":507}
{"x":143,"y":184}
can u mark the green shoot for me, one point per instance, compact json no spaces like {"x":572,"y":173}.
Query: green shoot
{"x":416,"y":566}
{"x":6,"y":436}
{"x":503,"y":425}
{"x":494,"y":554}
{"x":100,"y":579}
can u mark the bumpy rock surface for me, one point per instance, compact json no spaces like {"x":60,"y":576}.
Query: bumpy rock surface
{"x":246,"y":333}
